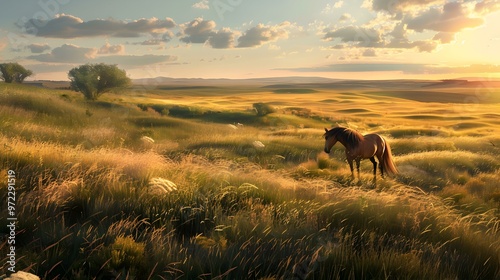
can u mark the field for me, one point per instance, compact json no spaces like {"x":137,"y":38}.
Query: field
{"x":189,"y":182}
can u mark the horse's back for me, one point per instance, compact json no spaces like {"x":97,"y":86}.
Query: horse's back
{"x":374,"y":138}
{"x":377,"y":140}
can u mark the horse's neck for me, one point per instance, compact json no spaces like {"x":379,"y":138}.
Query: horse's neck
{"x":349,"y":146}
{"x":346,"y":145}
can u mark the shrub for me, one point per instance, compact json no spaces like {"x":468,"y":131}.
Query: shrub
{"x":263,"y":109}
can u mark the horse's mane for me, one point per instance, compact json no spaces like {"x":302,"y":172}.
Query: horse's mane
{"x":347,"y":136}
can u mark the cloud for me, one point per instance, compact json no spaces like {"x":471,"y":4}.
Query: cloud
{"x":437,"y":21}
{"x":465,"y":69}
{"x":394,"y":6}
{"x":345,"y":17}
{"x":38,"y":48}
{"x":157,"y":40}
{"x":453,"y":17}
{"x":198,"y":31}
{"x":401,"y":67}
{"x":261,"y":34}
{"x":68,"y":26}
{"x":67,"y":53}
{"x":111,"y":49}
{"x":330,"y":8}
{"x":445,"y":22}
{"x":202,"y":5}
{"x":369,"y":52}
{"x":444,"y":37}
{"x":223,"y":39}
{"x":74,"y":54}
{"x":150,"y":42}
{"x":360,"y":67}
{"x":361,"y":36}
{"x":135,"y":60}
{"x":487,"y":6}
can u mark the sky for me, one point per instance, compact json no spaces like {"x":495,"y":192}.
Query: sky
{"x":358,"y":39}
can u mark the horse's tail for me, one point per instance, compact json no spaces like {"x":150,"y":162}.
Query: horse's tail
{"x":389,"y":165}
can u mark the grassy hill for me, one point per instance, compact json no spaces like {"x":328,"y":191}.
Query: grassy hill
{"x":189,"y":183}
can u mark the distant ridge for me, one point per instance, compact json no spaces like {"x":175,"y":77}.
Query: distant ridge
{"x":295,"y":82}
{"x":229,"y":82}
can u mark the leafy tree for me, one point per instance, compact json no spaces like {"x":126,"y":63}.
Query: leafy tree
{"x":95,"y":79}
{"x":14,"y":73}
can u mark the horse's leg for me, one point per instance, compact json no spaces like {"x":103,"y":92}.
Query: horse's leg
{"x":358,"y":160}
{"x":381,"y":165}
{"x":352,"y":167}
{"x":372,"y":159}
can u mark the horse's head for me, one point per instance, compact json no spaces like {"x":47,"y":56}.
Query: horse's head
{"x":330,"y":140}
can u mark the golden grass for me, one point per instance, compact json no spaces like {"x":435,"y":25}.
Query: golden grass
{"x":241,"y":210}
{"x":56,"y":156}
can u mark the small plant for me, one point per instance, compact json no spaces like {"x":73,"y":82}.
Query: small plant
{"x":88,"y":113}
{"x":123,"y":255}
{"x":323,"y":161}
{"x":125,"y":252}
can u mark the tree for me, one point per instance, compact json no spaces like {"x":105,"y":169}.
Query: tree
{"x":14,"y":73}
{"x":95,"y":79}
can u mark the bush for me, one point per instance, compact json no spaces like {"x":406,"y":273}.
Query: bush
{"x":263,"y":109}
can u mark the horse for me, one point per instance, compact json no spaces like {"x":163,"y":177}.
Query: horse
{"x":358,"y":147}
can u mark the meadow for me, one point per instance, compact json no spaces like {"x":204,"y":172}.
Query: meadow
{"x":179,"y":182}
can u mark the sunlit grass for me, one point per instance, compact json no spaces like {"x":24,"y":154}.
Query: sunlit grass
{"x":255,"y":197}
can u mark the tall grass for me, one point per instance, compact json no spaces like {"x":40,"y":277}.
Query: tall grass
{"x":277,"y":210}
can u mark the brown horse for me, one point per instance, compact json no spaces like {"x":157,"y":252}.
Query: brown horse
{"x":358,"y":147}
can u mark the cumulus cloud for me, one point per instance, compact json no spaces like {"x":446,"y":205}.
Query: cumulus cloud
{"x":222,"y":39}
{"x":261,"y":34}
{"x":444,"y":19}
{"x":38,"y":48}
{"x":200,"y":31}
{"x":67,"y":53}
{"x":452,"y":17}
{"x":197,"y":31}
{"x":202,"y":5}
{"x":330,"y":7}
{"x":487,"y":6}
{"x":68,"y":26}
{"x":111,"y":49}
{"x":437,"y":21}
